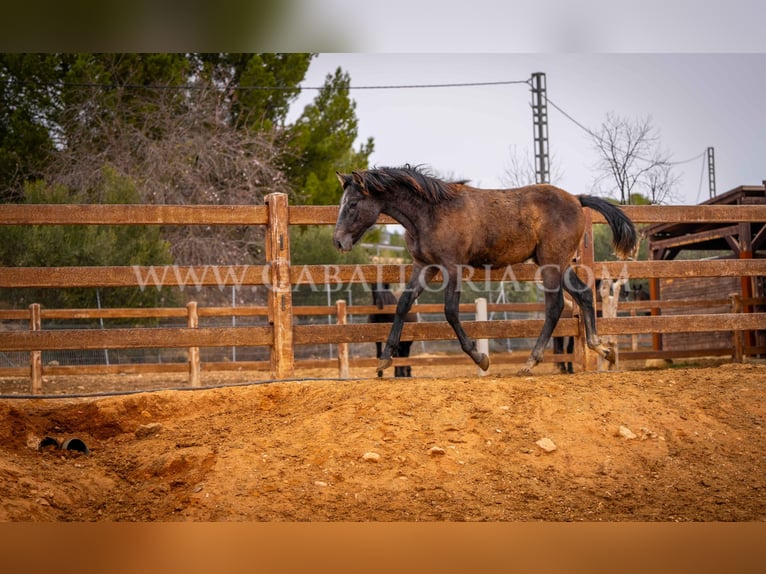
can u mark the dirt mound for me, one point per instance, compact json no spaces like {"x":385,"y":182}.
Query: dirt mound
{"x":669,"y":445}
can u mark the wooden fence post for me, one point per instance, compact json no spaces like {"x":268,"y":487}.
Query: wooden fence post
{"x":280,"y":303}
{"x":35,"y":357}
{"x":737,"y":336}
{"x":192,"y":321}
{"x":654,"y":295}
{"x":343,"y":371}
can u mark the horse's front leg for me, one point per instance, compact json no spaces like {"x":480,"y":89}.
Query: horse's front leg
{"x":452,"y":313}
{"x":419,"y":279}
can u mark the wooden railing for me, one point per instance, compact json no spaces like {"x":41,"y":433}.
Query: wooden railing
{"x":280,"y":333}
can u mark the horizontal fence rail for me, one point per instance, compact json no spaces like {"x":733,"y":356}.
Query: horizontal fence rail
{"x":58,"y":214}
{"x":280,"y":334}
{"x":239,"y":275}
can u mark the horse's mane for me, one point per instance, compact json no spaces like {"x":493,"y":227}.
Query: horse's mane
{"x":416,"y":179}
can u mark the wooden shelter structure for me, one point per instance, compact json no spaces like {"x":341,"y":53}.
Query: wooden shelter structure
{"x":739,"y":240}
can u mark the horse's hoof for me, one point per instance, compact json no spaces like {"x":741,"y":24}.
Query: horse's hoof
{"x":610,"y":355}
{"x":524,"y":372}
{"x":383,"y":364}
{"x":483,"y":362}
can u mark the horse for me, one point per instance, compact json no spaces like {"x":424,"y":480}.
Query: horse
{"x":565,"y":367}
{"x":559,"y":343}
{"x":450,"y":225}
{"x":381,"y":296}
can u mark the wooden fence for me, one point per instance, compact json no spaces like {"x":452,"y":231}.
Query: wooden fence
{"x":280,"y":333}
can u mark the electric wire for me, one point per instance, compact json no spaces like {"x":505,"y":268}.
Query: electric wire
{"x":603,"y":141}
{"x":171,"y":87}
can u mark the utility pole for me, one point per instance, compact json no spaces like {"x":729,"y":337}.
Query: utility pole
{"x":711,"y":171}
{"x":540,"y":126}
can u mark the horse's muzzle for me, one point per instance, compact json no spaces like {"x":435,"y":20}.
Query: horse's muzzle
{"x":342,"y":242}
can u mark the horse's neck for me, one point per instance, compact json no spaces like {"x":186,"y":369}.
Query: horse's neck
{"x":406,"y":208}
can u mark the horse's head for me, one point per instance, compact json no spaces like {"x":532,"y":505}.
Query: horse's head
{"x":359,"y":210}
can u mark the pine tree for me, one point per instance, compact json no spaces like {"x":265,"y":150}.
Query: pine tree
{"x":322,"y":139}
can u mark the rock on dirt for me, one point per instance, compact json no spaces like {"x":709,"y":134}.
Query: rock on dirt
{"x":546,"y":444}
{"x":625,"y":432}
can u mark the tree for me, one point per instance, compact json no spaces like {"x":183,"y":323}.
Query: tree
{"x":322,"y":141}
{"x":179,"y":154}
{"x":182,"y":128}
{"x":631,"y":160}
{"x":86,"y":245}
{"x":50,"y":105}
{"x":259,"y":87}
{"x":25,"y":139}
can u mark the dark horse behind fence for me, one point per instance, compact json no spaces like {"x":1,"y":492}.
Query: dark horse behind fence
{"x":450,"y":224}
{"x":382,"y":296}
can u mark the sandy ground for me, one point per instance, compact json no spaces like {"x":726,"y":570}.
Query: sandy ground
{"x":680,"y":444}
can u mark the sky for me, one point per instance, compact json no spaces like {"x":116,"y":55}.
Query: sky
{"x":694,"y":100}
{"x":697,"y":69}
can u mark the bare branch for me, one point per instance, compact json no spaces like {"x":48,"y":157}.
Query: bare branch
{"x":176,"y":150}
{"x":630,"y":160}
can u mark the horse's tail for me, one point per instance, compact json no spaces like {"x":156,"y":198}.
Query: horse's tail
{"x":624,"y":236}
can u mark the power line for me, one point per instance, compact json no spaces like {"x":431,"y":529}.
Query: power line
{"x":452,"y":85}
{"x":574,"y":121}
{"x":599,"y":138}
{"x":255,"y":88}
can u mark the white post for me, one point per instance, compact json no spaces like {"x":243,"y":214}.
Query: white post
{"x":340,"y":311}
{"x":482,"y":345}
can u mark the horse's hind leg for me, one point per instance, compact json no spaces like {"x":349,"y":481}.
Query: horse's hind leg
{"x":404,"y":351}
{"x":554,"y":305}
{"x":583,"y":296}
{"x":418,"y":280}
{"x":558,"y":349}
{"x":378,"y":349}
{"x":452,"y":313}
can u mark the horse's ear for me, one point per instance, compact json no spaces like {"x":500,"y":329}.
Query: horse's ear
{"x":359,"y":180}
{"x":343,"y":179}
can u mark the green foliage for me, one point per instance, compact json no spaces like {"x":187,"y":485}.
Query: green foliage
{"x":258,"y":108}
{"x":83,"y":245}
{"x":322,"y":141}
{"x":64,"y":115}
{"x":25,"y":140}
{"x":312,"y":245}
{"x":39,"y":94}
